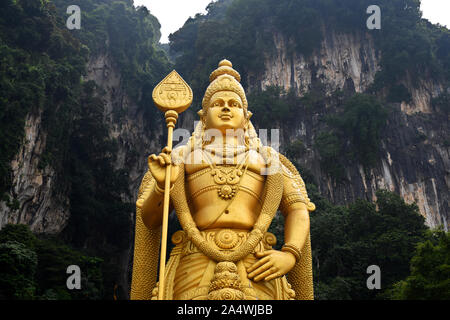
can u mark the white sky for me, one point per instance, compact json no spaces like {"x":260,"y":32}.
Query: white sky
{"x":173,"y":13}
{"x":437,"y":11}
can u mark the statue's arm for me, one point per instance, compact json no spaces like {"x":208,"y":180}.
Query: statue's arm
{"x":151,"y":205}
{"x":296,"y":227}
{"x":294,"y":206}
{"x":151,"y":201}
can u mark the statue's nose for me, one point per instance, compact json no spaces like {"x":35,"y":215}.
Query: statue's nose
{"x":226,"y":108}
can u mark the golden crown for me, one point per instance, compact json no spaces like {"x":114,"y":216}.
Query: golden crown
{"x":224,"y":78}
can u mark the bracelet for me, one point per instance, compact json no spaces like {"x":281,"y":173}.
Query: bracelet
{"x":292,"y":249}
{"x":160,"y":190}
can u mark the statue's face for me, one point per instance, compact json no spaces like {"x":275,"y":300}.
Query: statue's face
{"x":225,"y":112}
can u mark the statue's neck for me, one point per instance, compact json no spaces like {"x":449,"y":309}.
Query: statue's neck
{"x":225,"y":142}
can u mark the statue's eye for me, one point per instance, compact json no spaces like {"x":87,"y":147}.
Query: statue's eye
{"x":216,"y":104}
{"x":235,"y":104}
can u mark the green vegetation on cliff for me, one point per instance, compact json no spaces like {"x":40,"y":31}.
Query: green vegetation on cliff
{"x":243,"y":30}
{"x":273,"y":106}
{"x":129,"y":35}
{"x":355,"y":134}
{"x":40,"y":70}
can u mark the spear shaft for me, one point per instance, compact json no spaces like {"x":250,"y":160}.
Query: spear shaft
{"x":171,"y":119}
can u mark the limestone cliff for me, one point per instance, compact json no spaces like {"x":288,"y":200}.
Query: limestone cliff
{"x":39,"y":203}
{"x":343,"y":60}
{"x":414,"y":161}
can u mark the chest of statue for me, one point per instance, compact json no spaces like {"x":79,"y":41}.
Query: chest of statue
{"x":225,"y":194}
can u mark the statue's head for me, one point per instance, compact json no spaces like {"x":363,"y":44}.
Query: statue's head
{"x":224,"y":104}
{"x":224,"y":109}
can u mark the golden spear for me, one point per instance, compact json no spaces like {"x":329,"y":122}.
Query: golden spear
{"x":172,"y":96}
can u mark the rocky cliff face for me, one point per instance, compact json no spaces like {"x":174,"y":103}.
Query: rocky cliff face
{"x":40,"y":204}
{"x":414,"y":161}
{"x":129,"y":128}
{"x":344,"y":60}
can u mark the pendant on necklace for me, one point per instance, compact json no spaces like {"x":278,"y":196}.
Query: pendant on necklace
{"x":228,"y":179}
{"x":227,"y":192}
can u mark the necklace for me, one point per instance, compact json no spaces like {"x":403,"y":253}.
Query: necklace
{"x":226,"y":151}
{"x":227,"y":178}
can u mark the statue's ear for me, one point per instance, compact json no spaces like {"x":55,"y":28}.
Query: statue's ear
{"x":201,"y":113}
{"x":249,"y":115}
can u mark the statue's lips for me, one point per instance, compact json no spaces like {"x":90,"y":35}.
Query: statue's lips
{"x":225,"y":116}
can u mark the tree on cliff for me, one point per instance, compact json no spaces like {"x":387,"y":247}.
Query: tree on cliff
{"x":346,"y":240}
{"x":430,"y":271}
{"x":34,"y":268}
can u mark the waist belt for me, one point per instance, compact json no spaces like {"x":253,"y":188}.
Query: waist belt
{"x":221,"y":239}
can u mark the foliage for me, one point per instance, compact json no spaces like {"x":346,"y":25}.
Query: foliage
{"x":430,"y":271}
{"x":329,"y":147}
{"x":271,"y":106}
{"x":54,"y":258}
{"x":361,"y":122}
{"x":17,"y":269}
{"x":19,"y":233}
{"x":38,"y":65}
{"x":346,"y":240}
{"x":398,"y":93}
{"x":354,"y":134}
{"x":96,"y":187}
{"x":35,"y":268}
{"x":130,"y":35}
{"x":295,"y":149}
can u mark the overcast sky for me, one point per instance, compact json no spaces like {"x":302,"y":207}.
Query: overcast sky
{"x":173,"y":13}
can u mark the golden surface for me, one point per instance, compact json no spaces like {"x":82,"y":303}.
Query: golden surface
{"x":172,"y":93}
{"x":225,"y":203}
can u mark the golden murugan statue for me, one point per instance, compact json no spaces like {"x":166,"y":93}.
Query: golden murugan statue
{"x":226,"y":190}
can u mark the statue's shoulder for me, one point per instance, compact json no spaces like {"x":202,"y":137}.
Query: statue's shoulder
{"x":275,"y":161}
{"x":280,"y":161}
{"x":191,"y":159}
{"x":294,"y":188}
{"x":179,"y":154}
